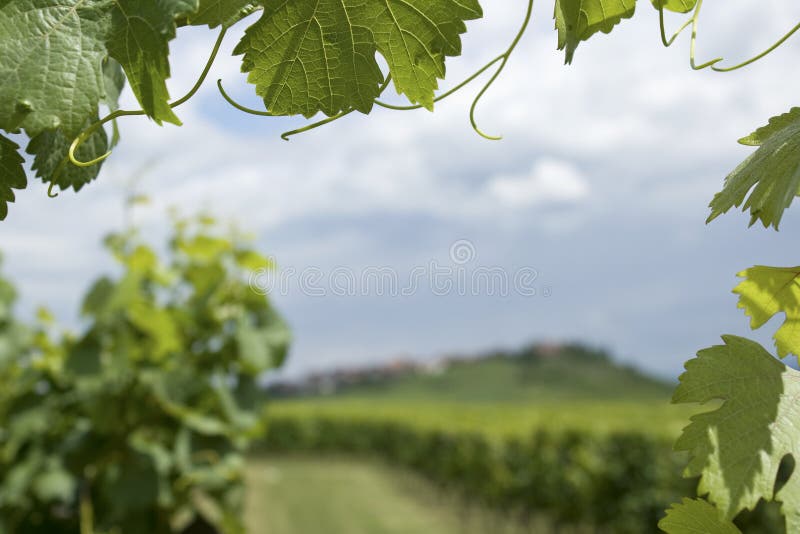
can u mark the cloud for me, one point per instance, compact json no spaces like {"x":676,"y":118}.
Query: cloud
{"x":549,"y":180}
{"x":628,"y":123}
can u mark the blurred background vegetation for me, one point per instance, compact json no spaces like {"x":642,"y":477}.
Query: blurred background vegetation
{"x":160,"y":416}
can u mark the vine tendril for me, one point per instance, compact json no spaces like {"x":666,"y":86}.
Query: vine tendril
{"x":693,"y":42}
{"x":693,"y":22}
{"x":497,"y":73}
{"x":286,"y":135}
{"x":240,"y":107}
{"x":502,"y":59}
{"x":444,"y":95}
{"x":83,"y":136}
{"x":755,"y":58}
{"x":668,"y":42}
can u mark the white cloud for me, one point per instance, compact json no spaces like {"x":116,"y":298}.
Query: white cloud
{"x":550,"y":180}
{"x":628,"y":122}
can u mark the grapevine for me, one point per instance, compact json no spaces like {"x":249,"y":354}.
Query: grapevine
{"x":62,"y":64}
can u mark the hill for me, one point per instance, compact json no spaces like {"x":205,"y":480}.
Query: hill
{"x":535,"y":373}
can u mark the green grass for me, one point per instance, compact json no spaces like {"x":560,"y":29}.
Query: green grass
{"x":573,"y":389}
{"x":500,"y":420}
{"x":518,"y":380}
{"x":303,"y":495}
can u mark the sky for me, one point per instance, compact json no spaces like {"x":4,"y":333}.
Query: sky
{"x":592,"y":208}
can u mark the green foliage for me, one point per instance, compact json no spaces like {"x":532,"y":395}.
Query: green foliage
{"x":769,"y":178}
{"x":224,"y":13}
{"x":139,"y":423}
{"x":63,"y":58}
{"x":572,"y":478}
{"x":50,"y":149}
{"x":695,"y":515}
{"x":578,"y":20}
{"x":737,"y":448}
{"x":767,"y":291}
{"x":310,"y":56}
{"x":138,"y":38}
{"x":51,"y":76}
{"x":12,"y":173}
{"x":678,"y":6}
{"x":303,"y":58}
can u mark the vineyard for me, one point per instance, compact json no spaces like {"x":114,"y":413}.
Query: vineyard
{"x":578,"y":465}
{"x":484,"y":430}
{"x":145,"y":413}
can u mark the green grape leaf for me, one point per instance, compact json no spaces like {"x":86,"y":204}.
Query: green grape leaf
{"x":204,"y":248}
{"x":774,"y":125}
{"x":50,"y":75}
{"x":139,"y":41}
{"x":766,"y":291}
{"x":252,"y":260}
{"x":50,"y":151}
{"x":308,"y":56}
{"x":695,"y":516}
{"x":12,"y":173}
{"x":578,"y":20}
{"x":223,"y":13}
{"x":737,"y":448}
{"x":159,"y":325}
{"x":114,"y":80}
{"x":262,"y":348}
{"x":678,"y":6}
{"x":55,"y":483}
{"x":771,"y":174}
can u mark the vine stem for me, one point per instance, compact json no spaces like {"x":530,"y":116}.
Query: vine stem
{"x":502,"y":59}
{"x":695,"y":18}
{"x":693,"y":22}
{"x":86,"y":510}
{"x":78,"y":141}
{"x":668,"y":43}
{"x":755,"y":58}
{"x":286,"y":135}
{"x":497,"y":73}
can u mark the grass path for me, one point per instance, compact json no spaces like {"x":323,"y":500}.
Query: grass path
{"x":301,"y":495}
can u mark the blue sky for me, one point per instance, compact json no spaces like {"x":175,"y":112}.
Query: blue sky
{"x":600,"y":185}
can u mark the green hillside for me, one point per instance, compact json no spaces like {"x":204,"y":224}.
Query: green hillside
{"x":570,"y":372}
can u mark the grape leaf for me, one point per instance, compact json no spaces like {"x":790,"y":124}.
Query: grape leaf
{"x":139,"y":41}
{"x":578,"y":20}
{"x":771,"y":174}
{"x":262,"y":347}
{"x":767,"y":291}
{"x":50,"y":149}
{"x":223,"y":13}
{"x":114,"y":83}
{"x":307,"y":56}
{"x":695,"y":516}
{"x":12,"y":173}
{"x":737,"y":448}
{"x":774,"y":125}
{"x":678,"y":6}
{"x":114,"y":80}
{"x":50,"y":75}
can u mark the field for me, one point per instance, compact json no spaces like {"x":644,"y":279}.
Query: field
{"x":361,"y":497}
{"x":505,"y":396}
{"x":494,"y":439}
{"x":499,"y":420}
